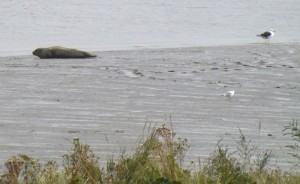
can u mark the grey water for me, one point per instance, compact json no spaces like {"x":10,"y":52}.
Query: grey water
{"x":97,"y":25}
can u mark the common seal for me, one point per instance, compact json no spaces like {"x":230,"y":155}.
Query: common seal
{"x":61,"y":52}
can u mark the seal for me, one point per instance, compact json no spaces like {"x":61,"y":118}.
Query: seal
{"x":61,"y":52}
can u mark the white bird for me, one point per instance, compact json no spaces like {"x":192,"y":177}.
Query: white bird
{"x":229,"y":94}
{"x":267,"y":35}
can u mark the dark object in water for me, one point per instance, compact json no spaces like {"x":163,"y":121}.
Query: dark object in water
{"x":61,"y":52}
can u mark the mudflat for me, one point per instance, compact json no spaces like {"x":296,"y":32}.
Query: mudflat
{"x":107,"y":101}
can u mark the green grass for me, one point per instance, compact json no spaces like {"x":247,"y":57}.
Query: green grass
{"x":158,"y":160}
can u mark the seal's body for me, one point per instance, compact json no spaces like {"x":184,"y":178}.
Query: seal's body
{"x":61,"y":52}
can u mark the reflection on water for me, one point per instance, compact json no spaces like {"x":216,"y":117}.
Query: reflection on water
{"x":114,"y":24}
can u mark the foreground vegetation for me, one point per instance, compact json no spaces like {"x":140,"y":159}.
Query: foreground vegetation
{"x":158,"y":160}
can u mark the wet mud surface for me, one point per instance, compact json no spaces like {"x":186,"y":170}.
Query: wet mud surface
{"x":106,"y":101}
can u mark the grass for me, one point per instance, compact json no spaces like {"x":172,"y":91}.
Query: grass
{"x":157,"y":160}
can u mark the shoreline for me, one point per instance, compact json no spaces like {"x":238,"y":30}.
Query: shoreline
{"x":106,"y":101}
{"x":27,"y":52}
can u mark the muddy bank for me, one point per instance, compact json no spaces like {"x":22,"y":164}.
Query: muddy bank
{"x":107,"y":100}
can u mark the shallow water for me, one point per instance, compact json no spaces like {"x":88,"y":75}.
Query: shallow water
{"x":114,"y":24}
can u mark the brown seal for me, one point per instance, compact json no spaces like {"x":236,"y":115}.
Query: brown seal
{"x":61,"y":52}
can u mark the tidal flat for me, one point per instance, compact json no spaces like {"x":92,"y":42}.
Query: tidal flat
{"x":107,"y":101}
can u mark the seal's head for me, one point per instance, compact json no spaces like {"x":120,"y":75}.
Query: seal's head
{"x":37,"y":52}
{"x":41,"y":52}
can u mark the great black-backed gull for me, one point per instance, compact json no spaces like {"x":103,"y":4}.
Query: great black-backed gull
{"x":267,"y":35}
{"x":229,"y":94}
